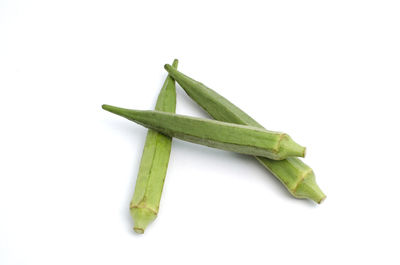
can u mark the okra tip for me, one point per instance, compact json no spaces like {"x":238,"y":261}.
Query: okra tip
{"x":168,"y":67}
{"x":107,"y":107}
{"x":112,"y":109}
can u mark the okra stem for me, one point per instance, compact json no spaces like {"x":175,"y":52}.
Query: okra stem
{"x":296,"y":176}
{"x":153,"y":165}
{"x":226,"y":136}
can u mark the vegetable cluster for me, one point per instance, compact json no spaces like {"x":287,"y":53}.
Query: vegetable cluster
{"x":232,"y":130}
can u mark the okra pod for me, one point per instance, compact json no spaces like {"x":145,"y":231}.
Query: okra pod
{"x":296,"y":176}
{"x":226,"y":136}
{"x":153,"y":165}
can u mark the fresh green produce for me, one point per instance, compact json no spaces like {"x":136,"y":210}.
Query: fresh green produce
{"x":227,"y":136}
{"x":298,"y":178}
{"x":153,"y":165}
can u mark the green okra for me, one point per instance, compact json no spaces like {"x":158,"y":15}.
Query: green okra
{"x":153,"y":165}
{"x":222,"y":135}
{"x":297,"y":177}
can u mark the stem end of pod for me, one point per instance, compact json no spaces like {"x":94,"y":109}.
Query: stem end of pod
{"x":291,"y":148}
{"x":308,"y":188}
{"x":142,"y":217}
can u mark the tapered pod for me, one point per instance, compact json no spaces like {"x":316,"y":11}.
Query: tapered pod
{"x":297,"y":177}
{"x":222,"y":135}
{"x":153,"y":165}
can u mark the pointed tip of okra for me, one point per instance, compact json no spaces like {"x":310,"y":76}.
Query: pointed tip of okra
{"x":108,"y":107}
{"x":171,"y":69}
{"x":115,"y":110}
{"x":142,"y":217}
{"x":308,"y":188}
{"x":175,"y":63}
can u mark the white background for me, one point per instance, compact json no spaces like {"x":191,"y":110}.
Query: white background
{"x":326,"y":72}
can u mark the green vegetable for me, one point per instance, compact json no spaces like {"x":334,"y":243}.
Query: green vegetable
{"x":298,"y":178}
{"x":153,"y":165}
{"x":222,"y":135}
